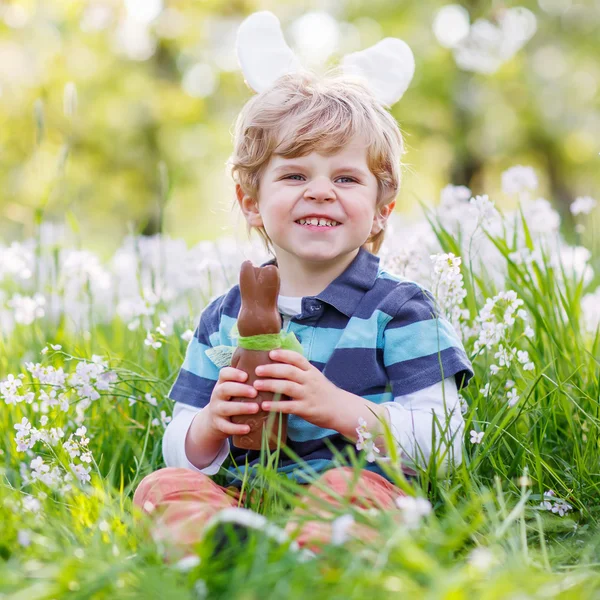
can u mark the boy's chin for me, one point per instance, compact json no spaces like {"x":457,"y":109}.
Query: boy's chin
{"x":318,"y":255}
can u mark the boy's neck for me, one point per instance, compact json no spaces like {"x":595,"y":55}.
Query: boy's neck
{"x":301,"y":278}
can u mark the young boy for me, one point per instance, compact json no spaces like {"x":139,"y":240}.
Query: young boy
{"x":317,"y":169}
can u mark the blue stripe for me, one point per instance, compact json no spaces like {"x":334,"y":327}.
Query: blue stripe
{"x":198,"y":363}
{"x":191,"y":389}
{"x":379,"y":398}
{"x":300,"y":430}
{"x":355,"y":370}
{"x":410,"y":376}
{"x":362,"y":333}
{"x":418,"y":339}
{"x":222,"y":336}
{"x":381,"y":274}
{"x":324,"y":343}
{"x":318,"y":464}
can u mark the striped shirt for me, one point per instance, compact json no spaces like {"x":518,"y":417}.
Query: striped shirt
{"x":369,"y":332}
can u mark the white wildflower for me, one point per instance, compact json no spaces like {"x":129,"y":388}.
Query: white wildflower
{"x":447,"y":286}
{"x":583,"y":205}
{"x":340,"y":528}
{"x":103,"y":526}
{"x":365,"y":441}
{"x":561,"y":507}
{"x":8,"y":389}
{"x":152,"y":341}
{"x":187,"y":563}
{"x":482,"y":559}
{"x":81,"y":472}
{"x":518,"y":179}
{"x":454,"y":194}
{"x":187,"y":335}
{"x":476,"y":436}
{"x":252,"y":520}
{"x":413,"y":509}
{"x":541,"y":218}
{"x":590,"y":309}
{"x":150,"y":399}
{"x":505,"y":355}
{"x":164,"y":420}
{"x":31,"y":504}
{"x":486,"y":212}
{"x":554,"y":504}
{"x":27,"y":309}
{"x":512,"y":397}
{"x":24,"y":537}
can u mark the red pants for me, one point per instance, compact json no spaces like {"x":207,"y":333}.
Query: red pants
{"x":181,"y":502}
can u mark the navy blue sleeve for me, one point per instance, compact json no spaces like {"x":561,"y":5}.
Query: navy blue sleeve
{"x":198,"y":375}
{"x":421,"y":348}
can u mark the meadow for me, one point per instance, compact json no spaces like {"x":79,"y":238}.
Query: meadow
{"x":90,"y":347}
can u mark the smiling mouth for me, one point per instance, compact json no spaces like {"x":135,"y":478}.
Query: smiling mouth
{"x":333,"y":225}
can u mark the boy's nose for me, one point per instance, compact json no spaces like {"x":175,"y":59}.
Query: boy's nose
{"x":320,"y":190}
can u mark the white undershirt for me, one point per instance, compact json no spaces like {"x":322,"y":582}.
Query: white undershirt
{"x":411,"y":419}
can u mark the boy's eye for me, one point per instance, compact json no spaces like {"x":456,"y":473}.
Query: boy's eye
{"x":296,"y":175}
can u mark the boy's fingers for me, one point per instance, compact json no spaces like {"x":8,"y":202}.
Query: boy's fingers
{"x":285,"y":406}
{"x":231,"y":428}
{"x":230,"y":389}
{"x":232,"y":374}
{"x":228,"y":409}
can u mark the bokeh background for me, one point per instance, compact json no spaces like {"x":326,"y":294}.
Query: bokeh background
{"x":116,"y":116}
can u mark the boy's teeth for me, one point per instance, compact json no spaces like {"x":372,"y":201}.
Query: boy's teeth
{"x":318,"y":222}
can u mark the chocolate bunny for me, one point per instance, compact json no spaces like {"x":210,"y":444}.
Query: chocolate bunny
{"x":259,"y":288}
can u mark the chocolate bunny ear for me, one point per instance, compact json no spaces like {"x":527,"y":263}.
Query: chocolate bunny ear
{"x":388,"y":66}
{"x":247,"y":278}
{"x":268,"y":283}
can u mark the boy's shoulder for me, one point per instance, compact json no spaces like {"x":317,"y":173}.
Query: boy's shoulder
{"x":219,"y":302}
{"x":225,"y":304}
{"x":394,"y":291}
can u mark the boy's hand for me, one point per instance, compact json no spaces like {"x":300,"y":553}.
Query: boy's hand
{"x":220,"y":409}
{"x":313,"y":396}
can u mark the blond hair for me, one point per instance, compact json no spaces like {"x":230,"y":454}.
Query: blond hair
{"x":304,"y":112}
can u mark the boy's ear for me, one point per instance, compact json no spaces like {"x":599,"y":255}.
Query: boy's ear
{"x":249,"y":207}
{"x":381,"y":216}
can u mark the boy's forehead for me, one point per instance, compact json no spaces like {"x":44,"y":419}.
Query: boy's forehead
{"x":353,"y":154}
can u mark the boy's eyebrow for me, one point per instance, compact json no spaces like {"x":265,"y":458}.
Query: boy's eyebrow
{"x":347,"y":169}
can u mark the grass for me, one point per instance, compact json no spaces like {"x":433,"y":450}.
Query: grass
{"x":487,"y":536}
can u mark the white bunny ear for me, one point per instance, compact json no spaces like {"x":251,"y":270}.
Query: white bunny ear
{"x":262,"y":52}
{"x":388,"y":66}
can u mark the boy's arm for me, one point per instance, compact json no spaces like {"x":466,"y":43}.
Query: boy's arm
{"x":174,"y":438}
{"x":411,"y":419}
{"x":425,"y":363}
{"x":433,"y":411}
{"x":192,"y":391}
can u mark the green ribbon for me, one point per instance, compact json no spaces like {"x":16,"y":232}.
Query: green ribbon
{"x":221,"y":355}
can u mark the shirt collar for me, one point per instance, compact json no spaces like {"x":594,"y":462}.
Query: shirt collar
{"x":347,"y":290}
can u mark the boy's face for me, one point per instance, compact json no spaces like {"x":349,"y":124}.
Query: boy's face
{"x":339,"y":187}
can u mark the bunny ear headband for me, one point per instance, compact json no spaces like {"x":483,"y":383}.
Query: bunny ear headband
{"x":263,"y":54}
